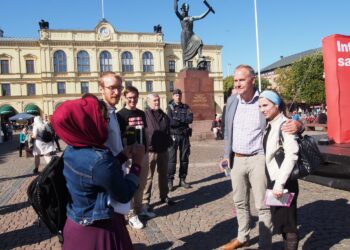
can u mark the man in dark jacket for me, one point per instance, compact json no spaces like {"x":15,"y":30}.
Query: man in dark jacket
{"x":180,"y":116}
{"x":158,"y":140}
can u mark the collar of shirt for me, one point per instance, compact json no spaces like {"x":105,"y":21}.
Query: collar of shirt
{"x":254,"y":99}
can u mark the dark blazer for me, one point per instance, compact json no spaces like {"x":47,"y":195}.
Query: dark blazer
{"x":158,"y":131}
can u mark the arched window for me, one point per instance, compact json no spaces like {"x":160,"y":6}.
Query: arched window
{"x":105,"y":61}
{"x":83,"y":61}
{"x":147,"y":60}
{"x":59,"y":61}
{"x":127,"y":64}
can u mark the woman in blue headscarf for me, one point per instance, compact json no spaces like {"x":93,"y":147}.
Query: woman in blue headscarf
{"x":284,"y":219}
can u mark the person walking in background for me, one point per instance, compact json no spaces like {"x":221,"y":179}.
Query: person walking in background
{"x":133,"y":120}
{"x":41,"y":147}
{"x":54,"y":135}
{"x":9,"y":131}
{"x":158,"y":140}
{"x":22,"y":141}
{"x":284,"y":219}
{"x":180,"y":116}
{"x":93,"y":174}
{"x":243,"y":152}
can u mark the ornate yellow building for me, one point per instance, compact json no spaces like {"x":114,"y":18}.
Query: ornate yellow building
{"x":37,"y":75}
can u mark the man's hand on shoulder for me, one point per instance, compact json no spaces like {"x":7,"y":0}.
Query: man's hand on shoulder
{"x":292,"y":126}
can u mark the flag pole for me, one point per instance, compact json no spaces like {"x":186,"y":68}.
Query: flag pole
{"x":257,"y":44}
{"x":103,"y":9}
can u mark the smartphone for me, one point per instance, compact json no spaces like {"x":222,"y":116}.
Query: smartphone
{"x":227,"y":169}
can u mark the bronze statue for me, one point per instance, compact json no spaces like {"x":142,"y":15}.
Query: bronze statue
{"x":191,"y":44}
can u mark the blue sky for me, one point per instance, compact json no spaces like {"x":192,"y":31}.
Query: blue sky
{"x":286,"y":27}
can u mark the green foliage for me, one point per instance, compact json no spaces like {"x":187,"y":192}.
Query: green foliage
{"x":228,"y":83}
{"x":265,"y":84}
{"x":303,"y":81}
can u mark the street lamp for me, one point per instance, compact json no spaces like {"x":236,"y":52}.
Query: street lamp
{"x":228,"y":69}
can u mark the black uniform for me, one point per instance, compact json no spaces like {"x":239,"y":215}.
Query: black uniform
{"x":180,"y":117}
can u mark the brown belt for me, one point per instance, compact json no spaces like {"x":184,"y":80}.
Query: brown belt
{"x":244,"y":155}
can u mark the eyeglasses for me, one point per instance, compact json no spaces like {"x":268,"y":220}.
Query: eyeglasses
{"x":132,"y":97}
{"x":115,"y":88}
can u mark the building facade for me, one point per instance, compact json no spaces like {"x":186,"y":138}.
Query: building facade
{"x":36,"y":75}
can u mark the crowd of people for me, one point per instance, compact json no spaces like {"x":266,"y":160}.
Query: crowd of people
{"x":111,"y":158}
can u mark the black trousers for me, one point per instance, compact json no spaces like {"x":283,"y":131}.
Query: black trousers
{"x":21,"y":147}
{"x":182,"y":143}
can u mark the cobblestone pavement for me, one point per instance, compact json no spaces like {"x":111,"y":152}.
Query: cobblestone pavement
{"x":203,"y":217}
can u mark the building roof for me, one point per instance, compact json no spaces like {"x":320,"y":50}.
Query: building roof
{"x":288,"y":60}
{"x":17,"y":39}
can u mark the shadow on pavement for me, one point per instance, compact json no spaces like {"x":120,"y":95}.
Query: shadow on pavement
{"x":219,"y":235}
{"x":203,"y":195}
{"x":13,"y":207}
{"x":16,"y":177}
{"x":209,"y":178}
{"x":327,"y":222}
{"x":160,"y":246}
{"x":25,"y":236}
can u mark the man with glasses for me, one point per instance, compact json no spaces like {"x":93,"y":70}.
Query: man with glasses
{"x":132,"y":121}
{"x":110,"y":87}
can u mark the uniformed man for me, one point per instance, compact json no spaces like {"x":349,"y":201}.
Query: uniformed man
{"x":180,"y":117}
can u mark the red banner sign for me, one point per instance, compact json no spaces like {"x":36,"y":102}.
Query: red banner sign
{"x":336,"y":58}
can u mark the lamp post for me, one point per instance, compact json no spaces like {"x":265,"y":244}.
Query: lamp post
{"x":228,"y":69}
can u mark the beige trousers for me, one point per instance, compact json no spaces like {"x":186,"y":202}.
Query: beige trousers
{"x":159,"y":161}
{"x":249,"y":173}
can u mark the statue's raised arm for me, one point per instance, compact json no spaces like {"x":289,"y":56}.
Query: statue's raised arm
{"x":191,"y":44}
{"x":176,"y":8}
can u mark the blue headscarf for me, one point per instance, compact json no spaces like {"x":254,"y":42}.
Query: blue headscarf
{"x":272,"y":96}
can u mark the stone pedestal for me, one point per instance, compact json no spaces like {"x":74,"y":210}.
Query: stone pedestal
{"x":198,"y":92}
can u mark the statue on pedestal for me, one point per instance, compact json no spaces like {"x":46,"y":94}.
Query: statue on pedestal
{"x":191,"y":44}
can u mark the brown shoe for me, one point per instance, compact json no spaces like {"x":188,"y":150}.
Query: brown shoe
{"x":234,"y":244}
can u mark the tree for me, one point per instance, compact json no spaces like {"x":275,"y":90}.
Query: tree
{"x":303,"y":81}
{"x":228,"y":85}
{"x":265,"y":84}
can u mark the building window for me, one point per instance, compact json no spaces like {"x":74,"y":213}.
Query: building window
{"x":209,"y":66}
{"x":5,"y":89}
{"x":190,"y":64}
{"x":4,"y":67}
{"x":84,"y":87}
{"x":128,"y":84}
{"x":149,"y":86}
{"x":61,"y":88}
{"x":147,"y":60}
{"x":171,"y":66}
{"x":127,"y":64}
{"x":30,"y":66}
{"x":59,"y":62}
{"x":171,"y":86}
{"x":30,"y":89}
{"x":83,"y":61}
{"x":105,"y":61}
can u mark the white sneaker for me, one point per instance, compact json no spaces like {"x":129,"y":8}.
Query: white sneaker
{"x":146,"y":213}
{"x":135,"y":222}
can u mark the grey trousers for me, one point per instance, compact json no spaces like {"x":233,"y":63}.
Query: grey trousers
{"x":159,"y":161}
{"x":249,"y":172}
